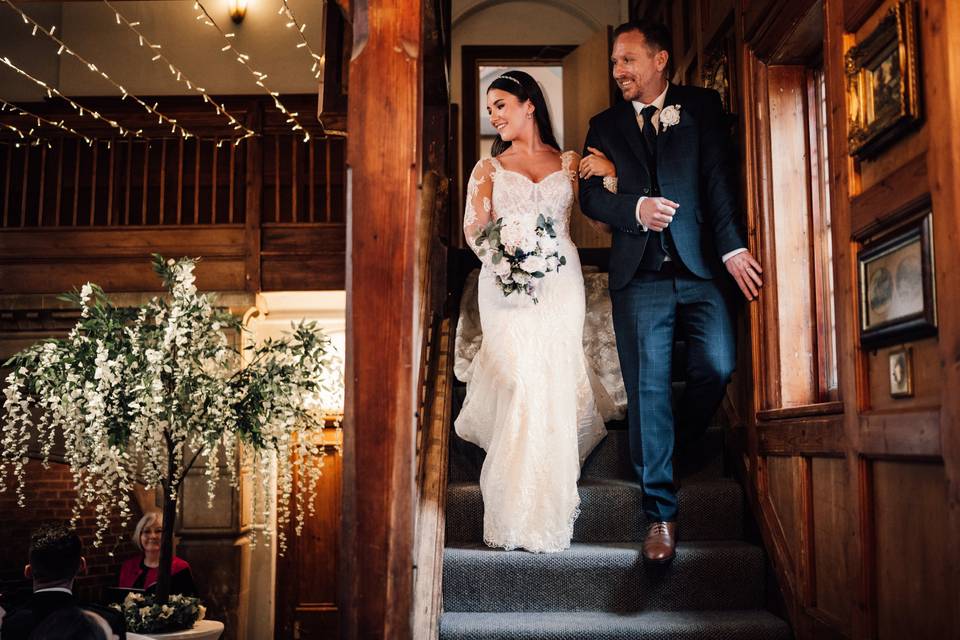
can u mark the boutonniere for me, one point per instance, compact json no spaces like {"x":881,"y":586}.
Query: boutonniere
{"x":670,"y":116}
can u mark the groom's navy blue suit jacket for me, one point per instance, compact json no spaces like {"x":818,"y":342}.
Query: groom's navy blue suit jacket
{"x":694,"y":169}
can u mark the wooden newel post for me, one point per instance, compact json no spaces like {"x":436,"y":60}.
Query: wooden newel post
{"x":376,"y":568}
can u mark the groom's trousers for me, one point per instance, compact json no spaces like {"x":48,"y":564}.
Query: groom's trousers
{"x":645,"y":314}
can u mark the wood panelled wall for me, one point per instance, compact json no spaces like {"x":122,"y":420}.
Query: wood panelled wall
{"x":857,"y":493}
{"x":266,"y":213}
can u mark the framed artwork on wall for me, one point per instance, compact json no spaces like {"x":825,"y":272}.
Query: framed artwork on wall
{"x":883,"y":92}
{"x":896,"y":285}
{"x":719,"y":68}
{"x":901,"y":373}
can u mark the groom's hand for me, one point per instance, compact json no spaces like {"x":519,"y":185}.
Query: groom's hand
{"x":657,"y":213}
{"x":746,"y":271}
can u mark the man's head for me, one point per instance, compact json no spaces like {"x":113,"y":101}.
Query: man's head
{"x":641,"y":59}
{"x":55,"y":556}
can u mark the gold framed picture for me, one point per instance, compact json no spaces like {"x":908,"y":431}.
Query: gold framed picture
{"x":883,"y":93}
{"x":896,"y":285}
{"x":901,"y":373}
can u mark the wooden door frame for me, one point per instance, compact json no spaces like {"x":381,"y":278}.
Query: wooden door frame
{"x":471,"y":56}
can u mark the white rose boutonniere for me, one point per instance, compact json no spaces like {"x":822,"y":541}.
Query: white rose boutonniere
{"x":670,"y":116}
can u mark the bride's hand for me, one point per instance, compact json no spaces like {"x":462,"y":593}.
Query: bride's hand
{"x":596,"y":164}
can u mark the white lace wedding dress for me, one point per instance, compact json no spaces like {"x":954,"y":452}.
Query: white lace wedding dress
{"x":530,"y":395}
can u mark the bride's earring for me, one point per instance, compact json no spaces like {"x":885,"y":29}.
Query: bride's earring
{"x":529,"y":116}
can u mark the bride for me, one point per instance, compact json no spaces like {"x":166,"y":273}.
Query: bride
{"x":530,"y":399}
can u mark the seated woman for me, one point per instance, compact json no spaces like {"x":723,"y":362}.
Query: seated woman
{"x":140,"y":571}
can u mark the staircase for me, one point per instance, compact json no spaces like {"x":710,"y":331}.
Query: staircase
{"x":600,"y":588}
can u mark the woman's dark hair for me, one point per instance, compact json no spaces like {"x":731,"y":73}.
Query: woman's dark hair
{"x":524,"y":87}
{"x":71,"y":623}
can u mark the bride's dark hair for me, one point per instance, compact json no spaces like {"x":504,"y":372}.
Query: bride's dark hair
{"x":524,"y":87}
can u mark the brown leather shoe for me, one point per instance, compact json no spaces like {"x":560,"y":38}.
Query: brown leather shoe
{"x":660,"y":545}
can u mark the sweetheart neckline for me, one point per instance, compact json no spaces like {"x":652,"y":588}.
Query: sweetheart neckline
{"x":528,"y":179}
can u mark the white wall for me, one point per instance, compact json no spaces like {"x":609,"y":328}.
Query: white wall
{"x":526,"y":22}
{"x":91,"y":30}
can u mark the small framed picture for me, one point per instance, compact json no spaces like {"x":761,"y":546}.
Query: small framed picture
{"x":896,"y":285}
{"x":883,"y":93}
{"x":901,"y":373}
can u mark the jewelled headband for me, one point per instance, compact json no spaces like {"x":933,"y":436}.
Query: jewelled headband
{"x":509,"y":78}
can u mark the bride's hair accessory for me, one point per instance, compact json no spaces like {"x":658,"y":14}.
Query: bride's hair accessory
{"x":510,"y":78}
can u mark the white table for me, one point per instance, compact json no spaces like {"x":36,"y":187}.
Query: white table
{"x":203,"y":630}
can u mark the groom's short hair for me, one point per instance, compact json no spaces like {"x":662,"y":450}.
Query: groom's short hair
{"x":655,"y":33}
{"x":55,"y":551}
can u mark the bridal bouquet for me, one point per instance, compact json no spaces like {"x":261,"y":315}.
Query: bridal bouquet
{"x":520,"y":255}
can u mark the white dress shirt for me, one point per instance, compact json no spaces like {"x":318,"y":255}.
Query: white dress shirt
{"x":638,"y":107}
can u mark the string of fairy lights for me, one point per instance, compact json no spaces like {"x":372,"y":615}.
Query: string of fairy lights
{"x":155,"y":50}
{"x":80,"y":109}
{"x":159,"y":57}
{"x":295,"y":24}
{"x":151,"y":109}
{"x":41,"y":121}
{"x":244,"y":59}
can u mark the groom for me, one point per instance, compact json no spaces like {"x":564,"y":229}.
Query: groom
{"x":676,"y":243}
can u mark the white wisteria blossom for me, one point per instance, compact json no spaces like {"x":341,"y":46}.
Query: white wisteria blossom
{"x":142,"y":394}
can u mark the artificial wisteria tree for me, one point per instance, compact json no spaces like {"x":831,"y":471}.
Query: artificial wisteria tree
{"x":142,"y":394}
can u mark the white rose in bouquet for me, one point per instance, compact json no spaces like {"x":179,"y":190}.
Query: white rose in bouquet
{"x":534,"y":263}
{"x":548,"y":244}
{"x":511,"y":235}
{"x":502,"y":268}
{"x":521,"y":277}
{"x":514,"y":235}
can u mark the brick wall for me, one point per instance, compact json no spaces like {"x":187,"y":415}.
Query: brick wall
{"x":50,"y":496}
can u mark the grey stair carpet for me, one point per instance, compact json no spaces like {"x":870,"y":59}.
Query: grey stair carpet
{"x":649,"y":625}
{"x":709,"y":510}
{"x":600,"y":588}
{"x":608,"y":577}
{"x":610,"y":459}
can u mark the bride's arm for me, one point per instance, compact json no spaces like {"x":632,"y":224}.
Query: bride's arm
{"x":609,"y":181}
{"x":479,"y":206}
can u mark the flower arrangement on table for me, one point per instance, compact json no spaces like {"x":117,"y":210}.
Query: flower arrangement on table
{"x":519,"y":255}
{"x":140,"y":394}
{"x":144,"y":614}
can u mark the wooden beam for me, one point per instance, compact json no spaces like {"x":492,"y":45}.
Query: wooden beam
{"x":376,"y":571}
{"x":254,"y":192}
{"x":849,"y":363}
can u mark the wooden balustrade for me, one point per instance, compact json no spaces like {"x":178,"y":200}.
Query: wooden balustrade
{"x":269,"y":211}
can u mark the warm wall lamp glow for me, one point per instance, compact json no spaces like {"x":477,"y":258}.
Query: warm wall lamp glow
{"x":238,"y":9}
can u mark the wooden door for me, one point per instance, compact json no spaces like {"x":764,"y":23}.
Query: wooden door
{"x":587,"y":90}
{"x":307,"y":604}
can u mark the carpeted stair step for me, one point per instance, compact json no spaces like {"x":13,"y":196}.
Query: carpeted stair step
{"x":610,"y":511}
{"x":610,"y":459}
{"x":750,"y":624}
{"x":609,"y":577}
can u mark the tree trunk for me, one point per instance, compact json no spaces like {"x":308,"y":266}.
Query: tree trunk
{"x":166,"y":545}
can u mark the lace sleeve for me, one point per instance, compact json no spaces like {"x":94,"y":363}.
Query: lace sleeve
{"x":570,"y":163}
{"x":479,"y":206}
